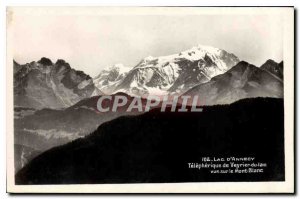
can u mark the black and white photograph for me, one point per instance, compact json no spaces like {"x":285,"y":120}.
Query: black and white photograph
{"x":150,"y":99}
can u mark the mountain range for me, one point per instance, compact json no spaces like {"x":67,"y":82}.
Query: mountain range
{"x":44,"y":84}
{"x":244,"y":80}
{"x":168,"y":74}
{"x":55,"y":104}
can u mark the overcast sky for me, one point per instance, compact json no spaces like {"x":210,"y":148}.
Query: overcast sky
{"x":90,"y":42}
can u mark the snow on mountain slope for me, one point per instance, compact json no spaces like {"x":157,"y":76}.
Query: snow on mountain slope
{"x":173,"y":73}
{"x":44,"y":84}
{"x":108,"y":78}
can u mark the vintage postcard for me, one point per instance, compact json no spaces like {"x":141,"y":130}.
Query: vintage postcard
{"x":150,"y":99}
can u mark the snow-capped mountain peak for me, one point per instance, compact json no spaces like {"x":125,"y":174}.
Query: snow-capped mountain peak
{"x":122,"y":68}
{"x":116,"y":67}
{"x":149,"y":58}
{"x":109,"y":77}
{"x":170,"y":73}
